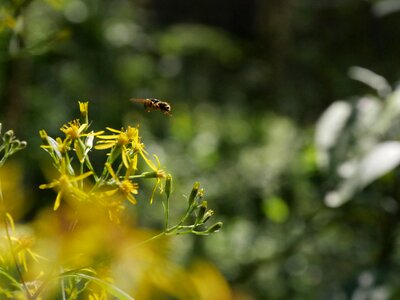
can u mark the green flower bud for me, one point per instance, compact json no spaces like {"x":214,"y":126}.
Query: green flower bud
{"x":43,"y":135}
{"x":207,"y":216}
{"x":214,"y":228}
{"x":168,"y":185}
{"x":194,"y":192}
{"x":8,"y":136}
{"x":22,"y":145}
{"x":201,"y":212}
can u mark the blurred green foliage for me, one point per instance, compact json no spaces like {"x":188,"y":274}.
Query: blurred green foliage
{"x":245,"y":109}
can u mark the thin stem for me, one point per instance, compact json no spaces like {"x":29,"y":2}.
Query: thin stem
{"x":81,"y":172}
{"x":62,"y":286}
{"x":90,"y":167}
{"x":150,"y":239}
{"x":166,"y":212}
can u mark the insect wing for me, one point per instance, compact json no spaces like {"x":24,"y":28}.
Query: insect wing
{"x":138,"y":100}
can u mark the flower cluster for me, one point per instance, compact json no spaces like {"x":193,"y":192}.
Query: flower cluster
{"x":116,"y":182}
{"x":85,"y":240}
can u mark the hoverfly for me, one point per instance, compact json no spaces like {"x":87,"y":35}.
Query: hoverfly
{"x":154,"y":104}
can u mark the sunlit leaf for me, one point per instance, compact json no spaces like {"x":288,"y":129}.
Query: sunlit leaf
{"x":371,"y":79}
{"x":381,"y":159}
{"x":329,"y":127}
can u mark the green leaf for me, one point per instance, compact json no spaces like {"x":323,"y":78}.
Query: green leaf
{"x":276,"y":209}
{"x":12,"y":279}
{"x":111,"y":289}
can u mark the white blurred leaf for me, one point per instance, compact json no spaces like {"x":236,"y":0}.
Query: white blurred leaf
{"x":329,"y":127}
{"x":348,"y":168}
{"x":371,"y":79}
{"x":380,"y":160}
{"x":385,"y":7}
{"x":368,"y":109}
{"x":340,"y":196}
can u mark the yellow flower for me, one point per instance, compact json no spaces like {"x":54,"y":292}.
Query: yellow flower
{"x":122,"y":140}
{"x":66,"y":184}
{"x":23,"y":248}
{"x":126,"y":187}
{"x":22,"y":245}
{"x":158,"y":174}
{"x":54,"y":146}
{"x":73,"y":129}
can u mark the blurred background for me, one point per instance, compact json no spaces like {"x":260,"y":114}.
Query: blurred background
{"x":307,"y":186}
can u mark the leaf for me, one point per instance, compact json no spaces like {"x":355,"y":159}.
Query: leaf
{"x":380,"y":160}
{"x":12,"y":279}
{"x":111,"y":289}
{"x":329,"y":128}
{"x":371,"y":79}
{"x":383,"y":158}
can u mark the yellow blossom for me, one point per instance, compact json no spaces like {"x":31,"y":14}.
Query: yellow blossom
{"x":22,"y":246}
{"x":127,"y":188}
{"x":122,"y":140}
{"x":66,"y":184}
{"x":73,"y":129}
{"x":159,"y":174}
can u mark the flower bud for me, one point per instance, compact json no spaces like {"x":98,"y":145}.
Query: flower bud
{"x":84,"y":108}
{"x":43,"y":135}
{"x":22,"y":145}
{"x":207,"y":216}
{"x":201,"y":212}
{"x":8,"y":136}
{"x":168,"y":185}
{"x":214,"y":228}
{"x":194,"y":192}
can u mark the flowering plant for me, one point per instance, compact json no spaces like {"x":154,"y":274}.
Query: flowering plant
{"x":79,"y":250}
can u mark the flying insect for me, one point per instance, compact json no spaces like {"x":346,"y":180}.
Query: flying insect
{"x":151,"y":104}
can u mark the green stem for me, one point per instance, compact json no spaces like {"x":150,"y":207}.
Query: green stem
{"x":150,"y":239}
{"x":62,"y":286}
{"x":90,"y":167}
{"x":166,"y":212}
{"x":81,"y":172}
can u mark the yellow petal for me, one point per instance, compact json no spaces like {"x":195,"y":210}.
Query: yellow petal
{"x":103,"y":146}
{"x":108,"y":137}
{"x":131,"y":198}
{"x":113,"y":130}
{"x":58,"y":200}
{"x":82,"y":176}
{"x":48,"y":185}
